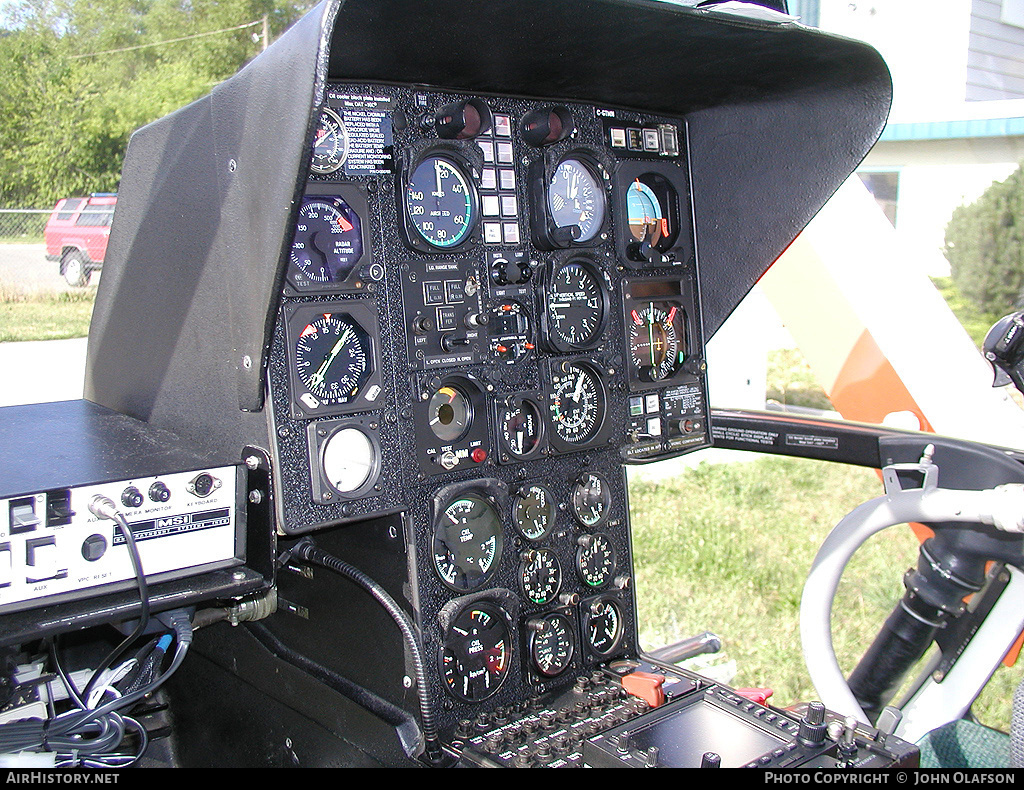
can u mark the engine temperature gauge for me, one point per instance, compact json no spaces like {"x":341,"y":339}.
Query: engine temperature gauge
{"x":595,"y":559}
{"x":552,"y":643}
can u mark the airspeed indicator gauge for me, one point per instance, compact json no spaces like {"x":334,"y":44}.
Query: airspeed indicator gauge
{"x":439,"y":203}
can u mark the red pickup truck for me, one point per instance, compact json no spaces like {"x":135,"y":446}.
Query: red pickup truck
{"x":76,"y":235}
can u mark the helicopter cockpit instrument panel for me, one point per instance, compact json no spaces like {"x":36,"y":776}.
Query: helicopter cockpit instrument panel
{"x":491,"y":303}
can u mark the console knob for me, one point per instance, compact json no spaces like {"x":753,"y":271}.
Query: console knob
{"x":710,"y":760}
{"x":813,"y":729}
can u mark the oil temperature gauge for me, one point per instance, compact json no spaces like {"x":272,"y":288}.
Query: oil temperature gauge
{"x":467,"y":542}
{"x":552,"y":643}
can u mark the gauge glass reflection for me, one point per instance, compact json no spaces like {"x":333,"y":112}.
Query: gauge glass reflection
{"x":576,"y":198}
{"x":477,"y":653}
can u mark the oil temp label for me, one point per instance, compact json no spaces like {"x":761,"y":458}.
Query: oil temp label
{"x":369,"y":132}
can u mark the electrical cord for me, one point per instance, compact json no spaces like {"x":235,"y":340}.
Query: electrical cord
{"x":307,"y":550}
{"x":103,"y":507}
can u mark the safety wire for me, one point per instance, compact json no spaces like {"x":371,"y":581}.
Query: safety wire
{"x":89,"y":736}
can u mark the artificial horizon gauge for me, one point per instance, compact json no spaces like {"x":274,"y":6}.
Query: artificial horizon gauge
{"x":577,"y":405}
{"x":595,"y":559}
{"x":540,"y":575}
{"x":467,"y":542}
{"x":520,"y":427}
{"x":644,"y":215}
{"x":575,"y":306}
{"x":328,"y":242}
{"x":602,"y":626}
{"x":477,"y":652}
{"x":333,"y":361}
{"x":591,"y":500}
{"x":576,"y":199}
{"x":330,"y":143}
{"x":552,"y":643}
{"x":657,"y":340}
{"x":440,"y":202}
{"x":533,"y":512}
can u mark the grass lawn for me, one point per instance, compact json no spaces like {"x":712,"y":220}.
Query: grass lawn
{"x":726,"y":548}
{"x":45,"y":316}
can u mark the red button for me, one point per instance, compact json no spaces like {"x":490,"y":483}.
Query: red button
{"x":479,"y":455}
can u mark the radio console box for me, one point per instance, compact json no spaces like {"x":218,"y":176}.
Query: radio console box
{"x":186,"y":510}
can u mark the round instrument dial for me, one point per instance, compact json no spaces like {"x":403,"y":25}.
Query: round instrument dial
{"x":603,"y":627}
{"x":440,"y":202}
{"x":540,"y":575}
{"x":576,"y":197}
{"x":552,"y":644}
{"x":330,"y":144}
{"x":657,"y":340}
{"x":467,"y":542}
{"x":576,"y":303}
{"x":577,"y":403}
{"x":450,"y":413}
{"x":644,"y":216}
{"x":333,"y":359}
{"x":348,"y":459}
{"x":521,"y":427}
{"x":591,"y":500}
{"x":328,"y":241}
{"x":595,"y":559}
{"x":477,"y":653}
{"x":533,"y":512}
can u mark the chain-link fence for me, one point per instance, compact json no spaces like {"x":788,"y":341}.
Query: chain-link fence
{"x":23,"y":225}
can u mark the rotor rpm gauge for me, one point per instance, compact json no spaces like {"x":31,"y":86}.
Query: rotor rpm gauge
{"x":467,"y":542}
{"x":477,"y":653}
{"x":657,"y":340}
{"x":595,"y":559}
{"x":552,"y":644}
{"x":330,"y":143}
{"x":575,"y":306}
{"x":577,"y":405}
{"x":602,"y":626}
{"x":576,"y":200}
{"x":591,"y":500}
{"x":540,"y":575}
{"x":440,"y":203}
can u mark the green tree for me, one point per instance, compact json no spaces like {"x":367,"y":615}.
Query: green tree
{"x":82,"y":75}
{"x":985,"y":247}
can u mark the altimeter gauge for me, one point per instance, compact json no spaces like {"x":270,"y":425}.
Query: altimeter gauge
{"x":576,"y":200}
{"x":577,"y":404}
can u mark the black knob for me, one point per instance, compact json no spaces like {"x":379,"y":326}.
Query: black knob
{"x":813,"y":729}
{"x":159,"y":492}
{"x":710,"y":760}
{"x":132,"y":497}
{"x":94,"y":547}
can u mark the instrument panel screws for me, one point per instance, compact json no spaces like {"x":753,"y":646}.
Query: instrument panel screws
{"x":247,"y":362}
{"x":232,"y":165}
{"x":256,"y":497}
{"x":252,"y":462}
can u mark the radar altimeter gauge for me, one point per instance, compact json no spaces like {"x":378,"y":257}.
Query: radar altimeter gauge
{"x":328,"y":243}
{"x":467,"y":542}
{"x":330,"y":143}
{"x":439,"y":203}
{"x":477,"y":652}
